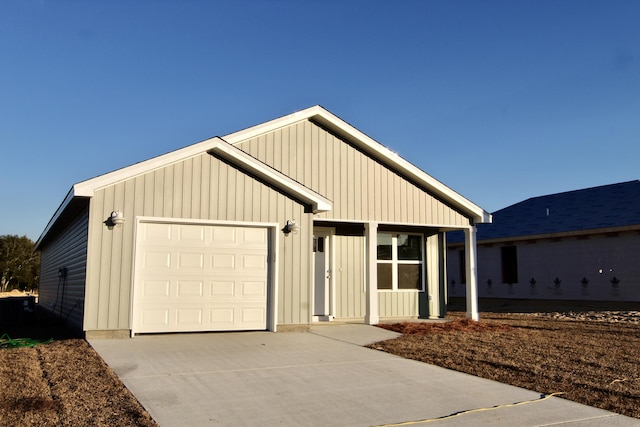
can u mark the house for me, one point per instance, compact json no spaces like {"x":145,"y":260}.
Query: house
{"x":298,"y":220}
{"x":577,"y":245}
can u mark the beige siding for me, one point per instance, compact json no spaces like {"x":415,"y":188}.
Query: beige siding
{"x":203,"y":188}
{"x":68,"y":250}
{"x":349,"y":277}
{"x":361,"y":188}
{"x":398,"y":304}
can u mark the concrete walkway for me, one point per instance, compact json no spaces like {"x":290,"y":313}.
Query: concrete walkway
{"x":319,"y":378}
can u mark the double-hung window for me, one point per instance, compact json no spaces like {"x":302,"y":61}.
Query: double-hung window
{"x":400,"y":261}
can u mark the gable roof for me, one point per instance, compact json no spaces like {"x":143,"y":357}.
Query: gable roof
{"x":329,"y":121}
{"x":215,"y":146}
{"x":225,"y":148}
{"x":597,"y":208}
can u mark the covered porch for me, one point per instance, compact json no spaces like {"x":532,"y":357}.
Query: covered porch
{"x":372,"y":272}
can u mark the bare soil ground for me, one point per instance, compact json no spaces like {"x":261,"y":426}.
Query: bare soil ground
{"x":62,"y":383}
{"x":594,"y":362}
{"x":66,"y":383}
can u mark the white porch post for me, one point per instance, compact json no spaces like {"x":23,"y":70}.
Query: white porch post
{"x":472,"y":272}
{"x":371,"y":236}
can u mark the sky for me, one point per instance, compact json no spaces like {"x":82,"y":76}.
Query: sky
{"x":499,"y":100}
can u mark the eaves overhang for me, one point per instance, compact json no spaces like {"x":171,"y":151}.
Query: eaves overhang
{"x":331,"y":122}
{"x":272,"y":176}
{"x":605,"y":231}
{"x":215,"y":145}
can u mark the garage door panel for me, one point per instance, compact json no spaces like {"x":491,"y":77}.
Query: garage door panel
{"x":220,"y":289}
{"x":157,"y":260}
{"x":189,"y":317}
{"x":189,"y":288}
{"x":222,"y":317}
{"x":221,"y":262}
{"x":201,"y":278}
{"x":156,"y":288}
{"x":224,"y":236}
{"x":154,"y":318}
{"x":253,"y":289}
{"x":157,"y":233}
{"x":193,"y":235}
{"x":190,"y":261}
{"x":227,"y":318}
{"x":254,"y":262}
{"x":254,"y":237}
{"x":253,"y":315}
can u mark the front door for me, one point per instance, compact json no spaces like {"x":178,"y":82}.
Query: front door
{"x":322,"y":261}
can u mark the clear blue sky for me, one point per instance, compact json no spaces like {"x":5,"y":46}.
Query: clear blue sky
{"x":499,"y":100}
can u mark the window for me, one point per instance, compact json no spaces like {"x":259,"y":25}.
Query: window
{"x":400,"y":261}
{"x":509,"y":258}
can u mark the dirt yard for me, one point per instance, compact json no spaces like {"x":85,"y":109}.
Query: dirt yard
{"x":65,"y":383}
{"x":62,"y":383}
{"x":594,"y":362}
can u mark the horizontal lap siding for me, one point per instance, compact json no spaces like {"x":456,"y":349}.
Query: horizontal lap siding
{"x":598,"y":258}
{"x":68,"y":250}
{"x":361,"y":188}
{"x":202,"y":187}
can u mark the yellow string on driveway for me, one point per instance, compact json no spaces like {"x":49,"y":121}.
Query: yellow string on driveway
{"x":457,"y":414}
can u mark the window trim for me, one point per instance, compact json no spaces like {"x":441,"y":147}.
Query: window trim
{"x":395,"y":262}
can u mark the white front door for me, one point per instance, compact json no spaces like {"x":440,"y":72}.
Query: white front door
{"x":323,"y":295}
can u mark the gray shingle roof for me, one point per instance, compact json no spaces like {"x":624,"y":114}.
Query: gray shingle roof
{"x":614,"y":205}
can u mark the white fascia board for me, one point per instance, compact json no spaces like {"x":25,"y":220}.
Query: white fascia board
{"x":325,"y":118}
{"x":242,"y":135}
{"x":271,"y":175}
{"x":88,"y":187}
{"x":368,"y":144}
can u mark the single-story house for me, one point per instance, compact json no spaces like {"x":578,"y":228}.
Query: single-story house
{"x":576,"y":245}
{"x":298,"y":220}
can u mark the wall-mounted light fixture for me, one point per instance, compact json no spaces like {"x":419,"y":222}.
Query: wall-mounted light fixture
{"x":291,"y":227}
{"x":116,"y":218}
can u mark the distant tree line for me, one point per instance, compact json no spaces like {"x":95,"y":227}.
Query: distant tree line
{"x":19,"y":264}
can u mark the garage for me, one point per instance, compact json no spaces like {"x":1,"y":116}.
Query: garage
{"x":200,"y":277}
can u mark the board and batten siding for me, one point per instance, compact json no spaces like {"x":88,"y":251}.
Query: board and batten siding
{"x":203,"y":188}
{"x":399,"y":303}
{"x":360,"y":187}
{"x":349,"y":278}
{"x":349,"y":281}
{"x":68,"y":249}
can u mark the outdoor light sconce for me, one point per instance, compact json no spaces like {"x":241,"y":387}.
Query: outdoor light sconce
{"x":291,"y":227}
{"x":116,"y":218}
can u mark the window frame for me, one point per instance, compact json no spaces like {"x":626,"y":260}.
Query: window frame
{"x":395,"y":262}
{"x":509,"y":264}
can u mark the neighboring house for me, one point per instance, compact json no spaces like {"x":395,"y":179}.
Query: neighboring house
{"x":263,"y":229}
{"x":578,"y":245}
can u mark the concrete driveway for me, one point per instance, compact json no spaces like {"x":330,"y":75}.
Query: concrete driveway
{"x":319,"y":378}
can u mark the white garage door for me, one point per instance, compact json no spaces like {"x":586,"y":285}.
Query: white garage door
{"x":200,"y":278}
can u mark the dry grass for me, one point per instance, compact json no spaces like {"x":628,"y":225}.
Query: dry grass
{"x":64,"y":383}
{"x":595,"y":363}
